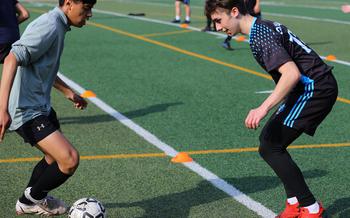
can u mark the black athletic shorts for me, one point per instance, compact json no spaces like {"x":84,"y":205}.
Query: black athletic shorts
{"x":4,"y":51}
{"x":306,"y":109}
{"x":39,"y":128}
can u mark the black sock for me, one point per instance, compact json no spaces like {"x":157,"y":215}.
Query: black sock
{"x":38,"y":170}
{"x":50,"y":179}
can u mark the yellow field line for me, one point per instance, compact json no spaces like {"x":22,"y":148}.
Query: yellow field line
{"x":38,"y":10}
{"x":164,"y":45}
{"x":143,"y":38}
{"x":200,"y":152}
{"x":344,"y":100}
{"x":191,"y":53}
{"x":122,"y":156}
{"x":167,"y":33}
{"x":239,"y":150}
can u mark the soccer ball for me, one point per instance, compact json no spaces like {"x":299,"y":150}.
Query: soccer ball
{"x":87,"y":208}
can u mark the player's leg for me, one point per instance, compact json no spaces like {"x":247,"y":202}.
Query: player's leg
{"x":28,"y":134}
{"x":40,"y":132}
{"x":226,"y":44}
{"x":187,"y":11}
{"x":274,"y":139}
{"x":177,"y":12}
{"x":66,"y":162}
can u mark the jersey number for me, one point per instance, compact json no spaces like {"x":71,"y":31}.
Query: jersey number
{"x":294,"y":38}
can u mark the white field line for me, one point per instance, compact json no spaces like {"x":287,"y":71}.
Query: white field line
{"x":264,"y":92}
{"x":195,"y":167}
{"x":212,"y":33}
{"x":277,"y":4}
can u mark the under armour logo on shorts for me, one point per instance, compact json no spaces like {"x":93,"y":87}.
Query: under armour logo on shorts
{"x":42,"y":126}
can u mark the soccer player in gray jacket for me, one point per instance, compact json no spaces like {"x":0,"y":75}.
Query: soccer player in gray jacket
{"x":29,"y":73}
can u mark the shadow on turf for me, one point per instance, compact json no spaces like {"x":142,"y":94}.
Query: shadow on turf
{"x":175,"y":204}
{"x":150,"y":110}
{"x":180,"y":204}
{"x":130,"y":114}
{"x":340,"y":207}
{"x":254,"y":184}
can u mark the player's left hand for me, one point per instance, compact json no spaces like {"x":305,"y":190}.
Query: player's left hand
{"x":254,"y":117}
{"x":79,"y":102}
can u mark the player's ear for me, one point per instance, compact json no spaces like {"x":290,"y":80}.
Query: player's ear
{"x":234,"y":12}
{"x":68,"y":2}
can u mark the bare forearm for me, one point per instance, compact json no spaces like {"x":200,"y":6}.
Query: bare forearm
{"x":63,"y":87}
{"x":289,"y":78}
{"x":8,"y":75}
{"x":22,"y":12}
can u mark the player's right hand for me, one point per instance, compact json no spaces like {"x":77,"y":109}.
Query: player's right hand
{"x":5,"y":121}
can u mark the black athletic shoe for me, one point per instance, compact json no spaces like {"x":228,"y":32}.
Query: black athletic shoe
{"x":227,"y":45}
{"x":175,"y":21}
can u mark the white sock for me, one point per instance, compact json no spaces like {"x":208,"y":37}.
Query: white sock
{"x":313,"y":208}
{"x":188,"y":18}
{"x":292,"y":200}
{"x":177,"y":17}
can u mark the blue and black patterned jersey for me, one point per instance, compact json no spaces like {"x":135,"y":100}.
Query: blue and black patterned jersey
{"x":273,"y":45}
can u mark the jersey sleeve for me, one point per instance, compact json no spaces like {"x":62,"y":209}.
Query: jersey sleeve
{"x":274,"y":54}
{"x":35,"y":41}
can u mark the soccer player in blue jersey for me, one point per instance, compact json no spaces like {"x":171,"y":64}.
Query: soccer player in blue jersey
{"x":29,"y":73}
{"x":178,"y":11}
{"x":305,"y":87}
{"x":12,"y":13}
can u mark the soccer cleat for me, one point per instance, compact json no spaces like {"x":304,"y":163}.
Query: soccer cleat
{"x":291,"y":211}
{"x":187,"y":22}
{"x":227,"y":45}
{"x":304,"y":213}
{"x":176,"y":21}
{"x":23,"y":209}
{"x":49,"y":204}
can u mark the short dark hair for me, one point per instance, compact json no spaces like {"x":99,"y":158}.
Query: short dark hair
{"x":212,"y":5}
{"x":61,"y":2}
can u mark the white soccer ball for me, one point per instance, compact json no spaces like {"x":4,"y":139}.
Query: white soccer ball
{"x":87,"y":208}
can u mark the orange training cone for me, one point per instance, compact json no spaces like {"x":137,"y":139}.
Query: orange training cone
{"x":240,"y":39}
{"x":184,"y":25}
{"x":331,"y":58}
{"x":88,"y":94}
{"x":181,"y":157}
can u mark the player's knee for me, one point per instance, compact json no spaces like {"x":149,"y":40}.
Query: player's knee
{"x":265,"y":148}
{"x":71,"y":162}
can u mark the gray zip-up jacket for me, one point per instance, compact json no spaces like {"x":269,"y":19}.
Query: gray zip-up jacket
{"x":38,"y":54}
